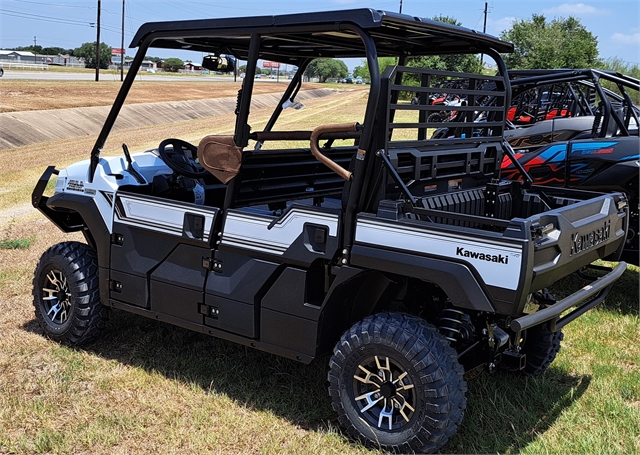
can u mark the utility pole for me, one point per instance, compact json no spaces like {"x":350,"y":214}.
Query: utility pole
{"x":484,"y":27}
{"x":400,"y":6}
{"x":484,"y":30}
{"x":98,"y":45}
{"x":35,"y":52}
{"x":122,"y":47}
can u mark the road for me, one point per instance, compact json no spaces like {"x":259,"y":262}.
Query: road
{"x":143,"y":76}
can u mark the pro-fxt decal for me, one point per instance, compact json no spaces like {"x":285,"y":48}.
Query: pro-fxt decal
{"x":75,"y":185}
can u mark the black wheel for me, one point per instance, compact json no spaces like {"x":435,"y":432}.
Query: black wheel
{"x":541,"y":346}
{"x":66,"y":294}
{"x":436,"y":117}
{"x":397,"y":384}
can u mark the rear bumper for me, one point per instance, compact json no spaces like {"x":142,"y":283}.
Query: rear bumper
{"x":584,"y":299}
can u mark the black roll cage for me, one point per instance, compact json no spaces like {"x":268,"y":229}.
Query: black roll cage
{"x":340,"y":34}
{"x":525,"y":80}
{"x":297,"y":39}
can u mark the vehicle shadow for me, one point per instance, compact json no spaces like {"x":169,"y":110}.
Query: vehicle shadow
{"x":256,"y":379}
{"x":503,"y":414}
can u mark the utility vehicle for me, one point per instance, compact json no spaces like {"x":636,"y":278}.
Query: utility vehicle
{"x":560,"y":105}
{"x":405,"y":258}
{"x":579,"y":129}
{"x":575,"y":128}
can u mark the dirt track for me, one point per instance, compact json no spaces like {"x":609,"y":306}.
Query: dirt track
{"x":29,"y":95}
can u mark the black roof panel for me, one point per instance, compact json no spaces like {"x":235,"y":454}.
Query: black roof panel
{"x":320,"y":34}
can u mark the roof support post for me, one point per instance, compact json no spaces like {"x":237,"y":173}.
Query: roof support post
{"x":366,"y":141}
{"x":117,"y":105}
{"x":241,"y":136}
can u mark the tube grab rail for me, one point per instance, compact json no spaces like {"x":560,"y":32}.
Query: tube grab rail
{"x":315,"y":150}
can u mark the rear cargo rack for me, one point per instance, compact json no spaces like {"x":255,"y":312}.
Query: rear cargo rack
{"x":423,"y":100}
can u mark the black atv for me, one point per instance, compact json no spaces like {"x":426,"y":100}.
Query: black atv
{"x":574,"y":132}
{"x":559,"y":105}
{"x":574,"y":129}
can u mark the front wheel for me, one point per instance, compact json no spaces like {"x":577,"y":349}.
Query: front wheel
{"x":66,"y":294}
{"x":397,"y":384}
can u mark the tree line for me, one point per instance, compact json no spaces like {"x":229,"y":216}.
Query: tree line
{"x":87,"y":52}
{"x":538,"y":43}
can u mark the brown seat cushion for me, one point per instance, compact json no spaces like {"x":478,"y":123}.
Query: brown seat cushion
{"x":220,"y":156}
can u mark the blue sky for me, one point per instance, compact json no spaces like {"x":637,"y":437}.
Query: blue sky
{"x":66,"y":23}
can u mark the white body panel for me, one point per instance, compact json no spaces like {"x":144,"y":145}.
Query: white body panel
{"x":498,"y":263}
{"x":250,"y":231}
{"x":75,"y":179}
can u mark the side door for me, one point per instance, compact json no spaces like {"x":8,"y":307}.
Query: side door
{"x":157,"y":251}
{"x":301,"y":235}
{"x":269,"y":274}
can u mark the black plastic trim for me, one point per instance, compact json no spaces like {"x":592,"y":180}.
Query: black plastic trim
{"x":455,"y":279}
{"x":90,"y":216}
{"x":266,"y":347}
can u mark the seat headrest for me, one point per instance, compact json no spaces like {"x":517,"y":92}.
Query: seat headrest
{"x":220,"y":156}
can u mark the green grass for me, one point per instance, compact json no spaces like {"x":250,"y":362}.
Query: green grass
{"x":9,"y":242}
{"x":171,"y":389}
{"x":16,"y":244}
{"x":148,"y":387}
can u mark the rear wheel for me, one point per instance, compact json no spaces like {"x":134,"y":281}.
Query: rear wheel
{"x":66,"y":294}
{"x":397,"y":384}
{"x":541,"y":346}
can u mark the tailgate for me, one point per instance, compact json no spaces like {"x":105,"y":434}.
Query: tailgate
{"x":568,"y":238}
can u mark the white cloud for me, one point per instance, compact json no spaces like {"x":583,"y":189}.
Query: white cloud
{"x":573,"y":9}
{"x":495,"y":27}
{"x":621,"y":38}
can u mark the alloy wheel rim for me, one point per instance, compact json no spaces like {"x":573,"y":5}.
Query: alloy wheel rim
{"x":384,"y":394}
{"x":56,"y":297}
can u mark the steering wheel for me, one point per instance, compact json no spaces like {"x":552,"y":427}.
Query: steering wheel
{"x":181,"y":159}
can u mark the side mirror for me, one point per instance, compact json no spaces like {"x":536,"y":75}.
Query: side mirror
{"x":224,"y":64}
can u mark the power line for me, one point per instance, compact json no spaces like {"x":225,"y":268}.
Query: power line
{"x":58,"y":20}
{"x":44,"y":18}
{"x":150,"y":9}
{"x":56,"y":5}
{"x":180,"y":6}
{"x":76,"y":7}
